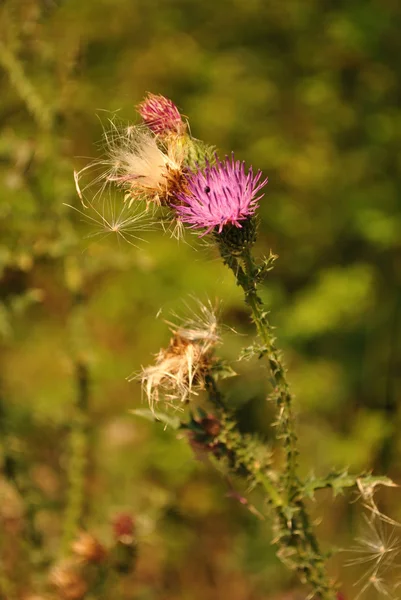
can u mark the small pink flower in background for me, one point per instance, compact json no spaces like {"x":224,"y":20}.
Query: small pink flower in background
{"x":124,"y":528}
{"x":161,"y":115}
{"x":219,"y":195}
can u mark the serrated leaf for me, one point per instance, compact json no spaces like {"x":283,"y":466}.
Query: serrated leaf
{"x":222,"y":370}
{"x":258,"y":350}
{"x":368,"y":482}
{"x":264,"y":268}
{"x":337,"y":481}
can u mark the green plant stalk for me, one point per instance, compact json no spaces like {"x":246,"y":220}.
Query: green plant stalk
{"x":78,"y":461}
{"x":79,"y":429}
{"x":7,"y":587}
{"x":261,"y":478}
{"x":281,"y":391}
{"x":296,"y":539}
{"x":25,"y":89}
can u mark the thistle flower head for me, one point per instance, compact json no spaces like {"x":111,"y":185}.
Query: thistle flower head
{"x":180,"y":369}
{"x":161,"y":115}
{"x":221,"y":194}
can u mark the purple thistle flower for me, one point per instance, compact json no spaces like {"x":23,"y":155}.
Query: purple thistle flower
{"x":161,"y":115}
{"x":221,"y":194}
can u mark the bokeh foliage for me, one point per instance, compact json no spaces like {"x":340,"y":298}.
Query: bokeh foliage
{"x":310,"y":93}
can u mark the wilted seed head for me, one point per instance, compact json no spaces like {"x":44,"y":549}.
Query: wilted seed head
{"x":139,"y":163}
{"x":144,"y":169}
{"x":177,"y":371}
{"x":161,"y":115}
{"x":222,"y":194}
{"x":200,"y":323}
{"x":180,"y":368}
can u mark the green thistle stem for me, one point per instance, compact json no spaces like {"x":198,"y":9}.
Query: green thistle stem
{"x":297,"y":541}
{"x":78,"y":460}
{"x":260,"y":477}
{"x":281,"y":392}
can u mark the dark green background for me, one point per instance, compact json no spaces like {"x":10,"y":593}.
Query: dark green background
{"x":308,"y":91}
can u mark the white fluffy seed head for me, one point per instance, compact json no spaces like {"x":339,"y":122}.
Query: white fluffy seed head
{"x":138,"y":162}
{"x":141,"y":166}
{"x":379,"y":549}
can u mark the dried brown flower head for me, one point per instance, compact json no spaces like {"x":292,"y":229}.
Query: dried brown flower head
{"x":87,"y":548}
{"x":68,"y":580}
{"x":180,"y":369}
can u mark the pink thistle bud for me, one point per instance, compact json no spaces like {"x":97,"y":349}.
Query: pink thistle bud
{"x":124,"y":528}
{"x":161,"y":115}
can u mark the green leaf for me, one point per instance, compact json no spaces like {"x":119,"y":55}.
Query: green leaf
{"x":256,"y":349}
{"x":338,"y":481}
{"x":222,"y":370}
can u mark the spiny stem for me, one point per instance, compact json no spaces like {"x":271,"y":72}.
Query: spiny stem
{"x":79,"y":436}
{"x":77,"y":458}
{"x":281,"y":393}
{"x":295,"y":530}
{"x":263,"y":479}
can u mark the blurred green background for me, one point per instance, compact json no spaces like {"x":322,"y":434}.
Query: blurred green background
{"x":310,"y":93}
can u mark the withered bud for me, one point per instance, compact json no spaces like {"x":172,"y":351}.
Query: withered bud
{"x":88,"y":548}
{"x":68,"y":580}
{"x":211,"y":425}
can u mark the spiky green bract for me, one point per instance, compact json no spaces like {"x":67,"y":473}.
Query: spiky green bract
{"x":235,"y":240}
{"x":199,"y":154}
